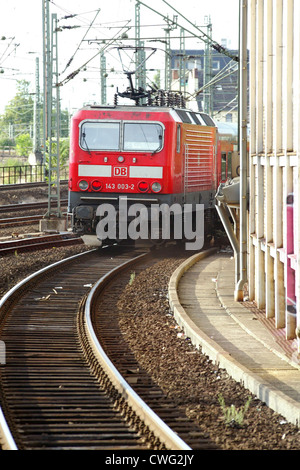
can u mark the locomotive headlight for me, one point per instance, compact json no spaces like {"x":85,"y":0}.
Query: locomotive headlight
{"x":83,"y":185}
{"x":96,"y":185}
{"x":156,"y":187}
{"x":143,"y":186}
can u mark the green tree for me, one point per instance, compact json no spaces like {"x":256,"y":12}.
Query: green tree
{"x":19,"y":111}
{"x":6,"y":142}
{"x":18,"y":114}
{"x":64,"y":149}
{"x":157,"y":79}
{"x":64,"y":123}
{"x":23,"y":145}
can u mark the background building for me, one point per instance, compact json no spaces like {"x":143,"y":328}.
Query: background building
{"x":212,"y":80}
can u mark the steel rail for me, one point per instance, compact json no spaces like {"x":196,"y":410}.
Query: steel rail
{"x":156,"y":426}
{"x":30,"y":205}
{"x":6,"y":439}
{"x":170,"y":439}
{"x":5,"y":187}
{"x":38,"y":243}
{"x":20,"y":221}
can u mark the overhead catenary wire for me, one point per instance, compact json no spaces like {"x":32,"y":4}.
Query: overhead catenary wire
{"x":89,"y":33}
{"x":73,"y":74}
{"x":208,"y":39}
{"x":227,"y":105}
{"x":3,"y":58}
{"x":69,"y":14}
{"x":217,"y":78}
{"x":88,"y":30}
{"x":202,"y":36}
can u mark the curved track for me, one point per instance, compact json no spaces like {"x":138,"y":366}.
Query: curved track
{"x":50,"y":397}
{"x":98,"y":310}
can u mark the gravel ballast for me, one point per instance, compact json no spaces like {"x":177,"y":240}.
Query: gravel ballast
{"x":188,"y":376}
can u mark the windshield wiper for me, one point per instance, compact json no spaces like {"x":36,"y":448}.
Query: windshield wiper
{"x":159,"y":147}
{"x":157,"y":150}
{"x":85,"y":142}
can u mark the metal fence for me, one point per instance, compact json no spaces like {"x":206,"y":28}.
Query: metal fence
{"x":27,"y":174}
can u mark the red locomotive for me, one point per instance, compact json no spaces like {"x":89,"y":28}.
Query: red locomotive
{"x":150,"y":154}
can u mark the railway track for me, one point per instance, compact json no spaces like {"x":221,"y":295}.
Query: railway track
{"x":54,"y":394}
{"x":19,"y":221}
{"x":97,"y":311}
{"x":21,"y":186}
{"x":7,"y":208}
{"x":38,"y":243}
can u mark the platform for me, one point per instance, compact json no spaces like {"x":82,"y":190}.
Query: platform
{"x":233,"y":334}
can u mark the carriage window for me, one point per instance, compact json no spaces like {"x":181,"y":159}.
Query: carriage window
{"x":143,"y":136}
{"x":178,"y":139}
{"x":223,"y":168}
{"x":207,"y":119}
{"x":229,"y":165}
{"x":100,"y":136}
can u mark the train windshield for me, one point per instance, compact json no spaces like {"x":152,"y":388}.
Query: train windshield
{"x":100,"y":136}
{"x":127,"y":136}
{"x":140,"y":136}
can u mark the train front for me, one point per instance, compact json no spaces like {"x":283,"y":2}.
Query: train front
{"x":118,"y":159}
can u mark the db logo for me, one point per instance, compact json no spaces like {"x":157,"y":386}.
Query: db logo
{"x":120,"y":171}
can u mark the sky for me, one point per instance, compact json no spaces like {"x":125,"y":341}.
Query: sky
{"x":81,"y":38}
